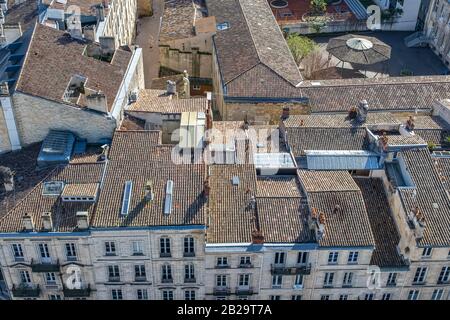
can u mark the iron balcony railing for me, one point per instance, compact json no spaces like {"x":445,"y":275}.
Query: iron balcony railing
{"x":221,"y":291}
{"x":26,"y":291}
{"x":40,"y":266}
{"x":294,"y":270}
{"x":77,"y":293}
{"x":244,"y":291}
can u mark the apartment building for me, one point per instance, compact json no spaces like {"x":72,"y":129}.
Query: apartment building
{"x":437,"y":28}
{"x":87,"y":85}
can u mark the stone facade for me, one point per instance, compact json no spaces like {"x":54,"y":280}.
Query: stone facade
{"x":121,"y":21}
{"x":437,"y":29}
{"x":197,"y":63}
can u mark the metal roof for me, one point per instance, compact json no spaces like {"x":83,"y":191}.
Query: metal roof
{"x":342,"y":160}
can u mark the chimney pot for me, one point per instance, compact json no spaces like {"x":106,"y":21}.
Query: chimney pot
{"x":82,"y":220}
{"x":171,"y":87}
{"x":27,"y":222}
{"x":47,"y":222}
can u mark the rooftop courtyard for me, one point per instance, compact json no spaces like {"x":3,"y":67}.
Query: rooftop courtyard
{"x":403,"y":61}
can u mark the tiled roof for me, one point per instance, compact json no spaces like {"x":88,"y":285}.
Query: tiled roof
{"x":188,"y":202}
{"x":86,"y":6}
{"x":429,"y":196}
{"x":338,"y":120}
{"x":129,"y":145}
{"x":430,"y":128}
{"x":389,"y":94}
{"x":323,"y":181}
{"x":63,"y":213}
{"x":443,"y":168}
{"x":300,"y":139}
{"x":382,"y":223}
{"x":399,"y":140}
{"x":54,"y":57}
{"x":24,"y":13}
{"x":338,"y":197}
{"x":278,"y":187}
{"x":257,"y":41}
{"x":80,"y":190}
{"x":231,"y":216}
{"x":157,"y":101}
{"x":179,"y":18}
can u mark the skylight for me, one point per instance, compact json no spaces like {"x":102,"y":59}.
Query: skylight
{"x":168,"y":200}
{"x":126,"y":197}
{"x":52,"y":188}
{"x":223,"y":26}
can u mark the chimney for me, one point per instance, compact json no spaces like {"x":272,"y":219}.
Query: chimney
{"x":257,"y":237}
{"x":96,"y":100}
{"x":100,"y":12}
{"x":75,"y":29}
{"x":89,"y":33}
{"x":27,"y":223}
{"x":47,"y":223}
{"x":149,"y":196}
{"x":285,"y":114}
{"x":209,"y":118}
{"x":410,"y":124}
{"x":171,"y":87}
{"x":82,"y":220}
{"x":363,"y":110}
{"x":206,"y":188}
{"x":108,"y":45}
{"x":419,"y":223}
{"x":384,"y":141}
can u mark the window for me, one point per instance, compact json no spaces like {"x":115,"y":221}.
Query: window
{"x":437,"y":294}
{"x":426,"y":253}
{"x":413,"y":295}
{"x":167,"y":273}
{"x":348,"y":278}
{"x":221,"y":298}
{"x":54,"y":297}
{"x":328,"y":280}
{"x":50,"y":278}
{"x":189,"y":295}
{"x":419,"y":277}
{"x":221,"y":280}
{"x":142,"y":294}
{"x":138,"y":248}
{"x":127,"y":190}
{"x":110,"y":248}
{"x":189,"y":273}
{"x":52,"y":188}
{"x":353,"y":257}
{"x":275,"y":297}
{"x":164,"y":243}
{"x":244,"y":280}
{"x":302,"y":257}
{"x":223,"y":26}
{"x":222,"y":262}
{"x":387,"y":296}
{"x":280,"y":257}
{"x":17,"y":252}
{"x":116,"y":294}
{"x":277,"y":281}
{"x":167,"y":295}
{"x":245,"y":261}
{"x":196,"y":87}
{"x":44,"y":252}
{"x":369,"y":296}
{"x":333,"y":257}
{"x":113,"y":273}
{"x":444,"y":275}
{"x":25,"y":277}
{"x":343,"y":297}
{"x":71,"y":252}
{"x":325,"y":297}
{"x":298,"y":280}
{"x":139,"y":273}
{"x":189,"y":247}
{"x":392,"y":279}
{"x":296,"y":297}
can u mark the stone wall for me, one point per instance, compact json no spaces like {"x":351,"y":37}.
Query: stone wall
{"x":5,"y":145}
{"x":145,"y":8}
{"x":36,"y":116}
{"x":121,"y":21}
{"x":197,"y":63}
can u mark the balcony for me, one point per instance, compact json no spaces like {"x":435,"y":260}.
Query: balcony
{"x":140,"y":278}
{"x":42,"y":266}
{"x":77,"y":293}
{"x":190,"y":280}
{"x":284,"y":270}
{"x":165,"y":255}
{"x":222,"y":291}
{"x":246,"y":265}
{"x":244,"y":291}
{"x":189,"y":254}
{"x":222,"y":266}
{"x":26,"y":291}
{"x":113,"y":279}
{"x":167,"y":280}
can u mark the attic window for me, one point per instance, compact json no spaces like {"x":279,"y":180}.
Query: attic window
{"x":223,"y":26}
{"x":169,"y":195}
{"x":126,"y":198}
{"x":52,"y":188}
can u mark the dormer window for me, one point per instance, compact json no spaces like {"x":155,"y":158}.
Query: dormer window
{"x":223,"y":26}
{"x":52,"y":188}
{"x":74,"y":89}
{"x":80,"y":192}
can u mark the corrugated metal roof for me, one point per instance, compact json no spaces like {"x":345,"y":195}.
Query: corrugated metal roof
{"x":342,"y":160}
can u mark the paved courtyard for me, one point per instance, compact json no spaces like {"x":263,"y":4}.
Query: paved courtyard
{"x":420,"y":61}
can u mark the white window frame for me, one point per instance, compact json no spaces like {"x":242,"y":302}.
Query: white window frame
{"x":333,"y":257}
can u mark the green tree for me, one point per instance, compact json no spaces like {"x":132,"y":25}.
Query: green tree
{"x":318,"y":6}
{"x":300,"y":46}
